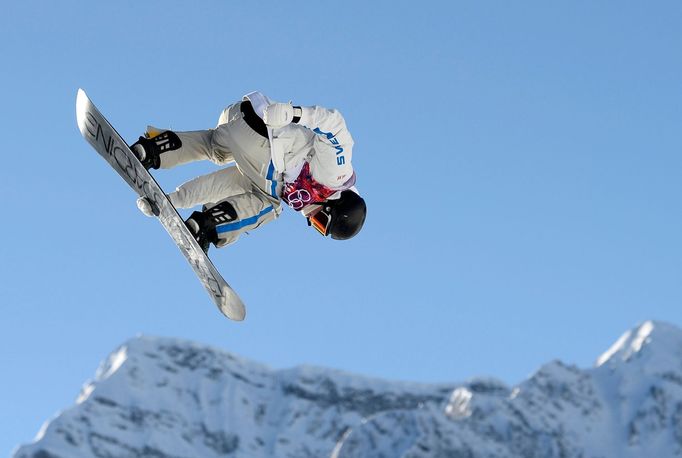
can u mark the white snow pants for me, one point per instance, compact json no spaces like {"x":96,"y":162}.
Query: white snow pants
{"x":232,"y":140}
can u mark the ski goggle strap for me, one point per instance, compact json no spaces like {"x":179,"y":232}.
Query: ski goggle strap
{"x":321,"y":220}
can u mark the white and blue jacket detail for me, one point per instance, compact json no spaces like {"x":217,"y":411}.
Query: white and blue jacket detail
{"x":320,"y":137}
{"x":270,"y":177}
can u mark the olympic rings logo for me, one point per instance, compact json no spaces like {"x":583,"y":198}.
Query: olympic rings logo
{"x":299,"y":199}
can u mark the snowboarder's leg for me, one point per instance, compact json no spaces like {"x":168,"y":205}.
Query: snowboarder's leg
{"x":165,"y":149}
{"x":197,"y":145}
{"x":211,"y":188}
{"x":223,"y":223}
{"x":232,"y":206}
{"x":253,"y":210}
{"x":202,"y":144}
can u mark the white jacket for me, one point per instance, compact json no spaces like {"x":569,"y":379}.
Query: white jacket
{"x":320,"y":137}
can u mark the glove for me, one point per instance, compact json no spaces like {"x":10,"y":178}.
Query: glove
{"x":145,"y":206}
{"x":278,"y":115}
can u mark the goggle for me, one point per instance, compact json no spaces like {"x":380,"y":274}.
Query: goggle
{"x":321,"y":220}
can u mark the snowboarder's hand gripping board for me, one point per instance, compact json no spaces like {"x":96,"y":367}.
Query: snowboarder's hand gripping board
{"x":109,"y":144}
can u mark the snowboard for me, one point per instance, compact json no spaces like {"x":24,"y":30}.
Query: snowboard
{"x":108,"y":143}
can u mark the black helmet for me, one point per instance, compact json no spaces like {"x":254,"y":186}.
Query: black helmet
{"x":341,"y":218}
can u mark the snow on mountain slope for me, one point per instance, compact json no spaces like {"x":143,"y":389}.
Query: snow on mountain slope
{"x":168,"y":398}
{"x":156,"y":397}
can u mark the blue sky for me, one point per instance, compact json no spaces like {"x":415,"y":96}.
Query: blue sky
{"x":521,"y":165}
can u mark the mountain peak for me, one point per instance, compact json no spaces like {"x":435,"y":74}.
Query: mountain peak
{"x":651,"y":341}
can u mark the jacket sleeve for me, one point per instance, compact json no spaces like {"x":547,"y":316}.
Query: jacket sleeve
{"x":330,"y":165}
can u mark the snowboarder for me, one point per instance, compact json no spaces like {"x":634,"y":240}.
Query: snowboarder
{"x":299,"y":155}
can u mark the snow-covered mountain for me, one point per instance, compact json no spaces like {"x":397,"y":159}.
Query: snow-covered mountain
{"x":158,"y":397}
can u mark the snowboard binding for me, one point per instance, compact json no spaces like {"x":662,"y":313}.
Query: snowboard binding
{"x":203,"y":224}
{"x":148,"y":149}
{"x":202,"y":236}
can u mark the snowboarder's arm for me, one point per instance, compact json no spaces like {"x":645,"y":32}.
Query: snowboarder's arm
{"x":322,"y":121}
{"x":330,"y":164}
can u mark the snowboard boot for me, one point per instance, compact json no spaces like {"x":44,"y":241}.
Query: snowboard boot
{"x":203,"y":224}
{"x":149,"y":148}
{"x":202,"y":236}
